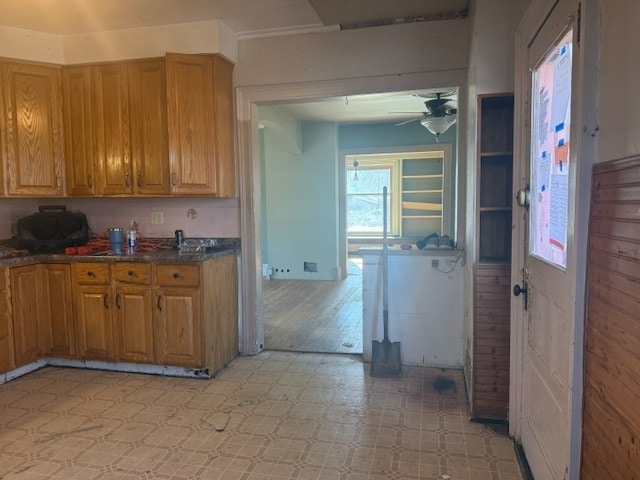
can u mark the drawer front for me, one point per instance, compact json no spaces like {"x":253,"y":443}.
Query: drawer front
{"x":178,"y":275}
{"x":91,"y":273}
{"x":134,"y":273}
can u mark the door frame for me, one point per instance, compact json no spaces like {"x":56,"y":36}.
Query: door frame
{"x":584,"y":119}
{"x":247,"y":100}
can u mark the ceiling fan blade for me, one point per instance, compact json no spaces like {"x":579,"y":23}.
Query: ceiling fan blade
{"x":408,"y":121}
{"x":388,"y":113}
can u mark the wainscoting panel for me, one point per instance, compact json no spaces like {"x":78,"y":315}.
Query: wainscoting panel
{"x":611,"y":417}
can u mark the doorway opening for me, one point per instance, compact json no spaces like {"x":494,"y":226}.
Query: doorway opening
{"x":311,"y":279}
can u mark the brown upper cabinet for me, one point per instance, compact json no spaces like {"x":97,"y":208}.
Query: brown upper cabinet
{"x":31,"y":133}
{"x":200,"y":125}
{"x":160,"y":127}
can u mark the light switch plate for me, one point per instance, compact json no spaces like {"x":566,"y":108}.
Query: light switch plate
{"x":157,"y":218}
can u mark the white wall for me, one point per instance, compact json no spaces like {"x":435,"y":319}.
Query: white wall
{"x":199,"y":37}
{"x":29,"y":45}
{"x":426,"y":310}
{"x":388,"y":50}
{"x":301,"y":194}
{"x":618,"y":99}
{"x":214,"y":217}
{"x":494,"y":38}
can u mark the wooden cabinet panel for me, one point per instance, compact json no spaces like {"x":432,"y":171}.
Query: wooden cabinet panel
{"x":94,"y":327}
{"x":27,"y":307}
{"x":134,"y":324}
{"x":223,"y":96}
{"x":32,"y":130}
{"x":78,"y":130}
{"x":191,"y":116}
{"x":177,"y":275}
{"x":491,"y":337}
{"x":178,"y":327}
{"x":220,"y":310}
{"x":111,"y":117}
{"x":148,"y":119}
{"x":91,"y":273}
{"x":136,"y":273}
{"x":58,"y":303}
{"x":7,"y":359}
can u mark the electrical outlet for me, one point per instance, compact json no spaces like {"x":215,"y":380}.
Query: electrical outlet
{"x":157,"y":218}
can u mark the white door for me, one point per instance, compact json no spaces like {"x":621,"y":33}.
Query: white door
{"x":545,"y":257}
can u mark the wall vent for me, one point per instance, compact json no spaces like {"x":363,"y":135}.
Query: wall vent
{"x":311,"y":267}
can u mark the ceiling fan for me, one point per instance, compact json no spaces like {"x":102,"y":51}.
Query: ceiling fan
{"x":440,"y":114}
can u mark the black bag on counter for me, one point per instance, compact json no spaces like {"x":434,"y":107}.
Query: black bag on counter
{"x":51,"y":230}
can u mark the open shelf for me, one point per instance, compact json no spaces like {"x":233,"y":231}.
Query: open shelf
{"x":492,"y":270}
{"x":422,"y":196}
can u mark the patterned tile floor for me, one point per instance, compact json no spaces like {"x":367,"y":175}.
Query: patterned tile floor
{"x":277,"y":415}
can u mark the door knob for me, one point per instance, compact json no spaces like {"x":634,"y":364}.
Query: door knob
{"x":523,"y":197}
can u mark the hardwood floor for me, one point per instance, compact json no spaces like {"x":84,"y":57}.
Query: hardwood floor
{"x":315,"y":316}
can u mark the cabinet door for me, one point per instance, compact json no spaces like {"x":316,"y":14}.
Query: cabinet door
{"x":78,"y":130}
{"x":178,"y":327}
{"x":7,"y":359}
{"x":111,"y":106}
{"x":28,"y":311}
{"x":191,"y":120}
{"x":58,"y":304}
{"x":94,"y":328}
{"x":148,"y":118}
{"x":32,"y":134}
{"x":134,"y":324}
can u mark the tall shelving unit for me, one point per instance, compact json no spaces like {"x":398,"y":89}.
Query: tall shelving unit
{"x":492,"y":270}
{"x":422,"y":196}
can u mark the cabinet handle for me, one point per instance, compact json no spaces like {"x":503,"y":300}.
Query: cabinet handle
{"x":176,"y":275}
{"x":58,"y":181}
{"x":131,"y":273}
{"x":104,"y":300}
{"x":90,"y":274}
{"x":174,"y":178}
{"x":90,"y":181}
{"x":127,"y":182}
{"x":118,"y":300}
{"x":159,"y":302}
{"x":139,"y":180}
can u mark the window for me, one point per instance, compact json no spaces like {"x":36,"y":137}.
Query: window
{"x":418,"y":193}
{"x":364,"y":199}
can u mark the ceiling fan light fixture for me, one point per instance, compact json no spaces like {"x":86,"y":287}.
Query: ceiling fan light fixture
{"x":438,"y":125}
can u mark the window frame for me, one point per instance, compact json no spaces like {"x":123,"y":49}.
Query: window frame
{"x":366,"y":162}
{"x":394,"y":156}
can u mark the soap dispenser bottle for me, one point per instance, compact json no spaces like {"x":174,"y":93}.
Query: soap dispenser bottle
{"x":132,"y":236}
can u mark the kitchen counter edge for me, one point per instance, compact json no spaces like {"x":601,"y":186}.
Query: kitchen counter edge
{"x":159,"y":256}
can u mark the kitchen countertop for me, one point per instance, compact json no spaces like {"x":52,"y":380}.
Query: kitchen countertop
{"x":163,"y":255}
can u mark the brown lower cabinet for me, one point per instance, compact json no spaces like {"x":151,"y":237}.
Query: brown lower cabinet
{"x":183,"y":314}
{"x":167,"y":314}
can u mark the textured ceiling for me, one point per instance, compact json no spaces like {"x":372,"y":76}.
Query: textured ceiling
{"x":65,"y":17}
